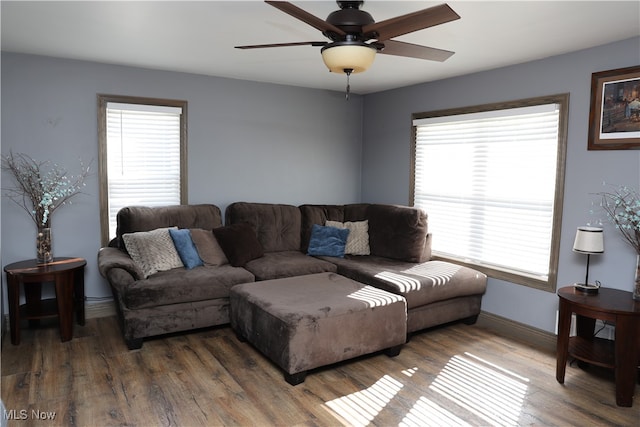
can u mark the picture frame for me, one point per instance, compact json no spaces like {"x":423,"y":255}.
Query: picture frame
{"x":614,"y":116}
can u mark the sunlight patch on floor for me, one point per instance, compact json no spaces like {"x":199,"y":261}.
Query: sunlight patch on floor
{"x":492,"y":393}
{"x":361,"y":407}
{"x":428,"y":413}
{"x":410,"y":371}
{"x":475,"y":388}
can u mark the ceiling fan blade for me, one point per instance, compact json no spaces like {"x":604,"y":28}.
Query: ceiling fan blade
{"x":306,"y":17}
{"x":260,"y":46}
{"x":397,"y":48}
{"x":394,"y":27}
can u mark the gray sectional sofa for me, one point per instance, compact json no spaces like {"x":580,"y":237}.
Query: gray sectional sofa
{"x":270,"y":241}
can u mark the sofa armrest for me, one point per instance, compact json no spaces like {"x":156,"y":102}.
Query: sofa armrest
{"x":397,"y":232}
{"x":110,"y":258}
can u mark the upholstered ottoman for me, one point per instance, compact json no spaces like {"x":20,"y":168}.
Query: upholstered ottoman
{"x":306,"y":322}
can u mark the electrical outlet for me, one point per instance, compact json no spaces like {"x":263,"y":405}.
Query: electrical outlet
{"x":606,"y":330}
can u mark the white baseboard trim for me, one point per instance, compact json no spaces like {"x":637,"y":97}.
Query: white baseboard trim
{"x":519,"y":331}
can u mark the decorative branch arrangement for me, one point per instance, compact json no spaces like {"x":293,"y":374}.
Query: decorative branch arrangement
{"x":622,"y":206}
{"x":41,"y":187}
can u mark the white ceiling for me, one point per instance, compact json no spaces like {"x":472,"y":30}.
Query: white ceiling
{"x":199,"y":37}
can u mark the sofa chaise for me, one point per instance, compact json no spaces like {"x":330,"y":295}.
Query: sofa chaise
{"x":399,"y":256}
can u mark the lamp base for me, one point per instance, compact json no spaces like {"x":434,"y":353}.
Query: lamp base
{"x":586,"y":288}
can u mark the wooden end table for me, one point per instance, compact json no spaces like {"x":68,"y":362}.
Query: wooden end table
{"x":622,"y":355}
{"x":68,"y":276}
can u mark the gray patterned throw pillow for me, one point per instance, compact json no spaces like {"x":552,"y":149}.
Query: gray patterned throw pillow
{"x":152,"y":251}
{"x":358,"y":240}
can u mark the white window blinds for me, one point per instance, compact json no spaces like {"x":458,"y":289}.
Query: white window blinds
{"x":487,"y":181}
{"x":143,"y":156}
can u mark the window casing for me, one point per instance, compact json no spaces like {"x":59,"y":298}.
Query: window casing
{"x":142,"y":155}
{"x":491,"y":179}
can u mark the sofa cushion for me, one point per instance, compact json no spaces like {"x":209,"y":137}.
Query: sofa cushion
{"x":182,"y":286}
{"x":358,"y":239}
{"x":398,"y":232}
{"x":239,"y":243}
{"x":185,"y":247}
{"x":208,"y":247}
{"x":277,"y":226}
{"x":419,"y":283}
{"x":132,"y":219}
{"x":275,"y":265}
{"x":327,"y":241}
{"x":152,"y":251}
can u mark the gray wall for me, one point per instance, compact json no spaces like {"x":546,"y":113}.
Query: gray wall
{"x":247,"y":141}
{"x":386,"y":157}
{"x":260,"y":142}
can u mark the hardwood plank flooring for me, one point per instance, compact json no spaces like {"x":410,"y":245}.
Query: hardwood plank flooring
{"x":454,"y":375}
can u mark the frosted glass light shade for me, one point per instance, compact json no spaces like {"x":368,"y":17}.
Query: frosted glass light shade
{"x":589,"y":240}
{"x":356,"y":57}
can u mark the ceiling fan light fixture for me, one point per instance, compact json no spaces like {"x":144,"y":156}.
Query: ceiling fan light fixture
{"x":349,"y":55}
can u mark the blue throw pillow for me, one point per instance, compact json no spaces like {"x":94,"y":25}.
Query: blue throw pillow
{"x":185,"y":247}
{"x":327,"y":241}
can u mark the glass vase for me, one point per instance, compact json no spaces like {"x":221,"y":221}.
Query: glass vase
{"x":636,"y":284}
{"x":43,"y":245}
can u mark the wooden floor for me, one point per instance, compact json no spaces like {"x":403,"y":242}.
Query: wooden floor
{"x":455,"y":375}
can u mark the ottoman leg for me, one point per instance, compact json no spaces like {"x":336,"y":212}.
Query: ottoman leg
{"x":393,"y":351}
{"x":134,"y":343}
{"x":295,"y":379}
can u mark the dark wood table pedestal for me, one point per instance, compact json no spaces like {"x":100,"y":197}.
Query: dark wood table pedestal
{"x":622,"y":355}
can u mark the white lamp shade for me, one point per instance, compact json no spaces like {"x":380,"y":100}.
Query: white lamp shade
{"x":354,"y":57}
{"x":589,"y":240}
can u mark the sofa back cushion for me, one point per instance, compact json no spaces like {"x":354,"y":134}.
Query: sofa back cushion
{"x":239,"y":243}
{"x":356,"y":212}
{"x":398,"y":232}
{"x":277,"y":226}
{"x":317,"y":214}
{"x":133,"y":219}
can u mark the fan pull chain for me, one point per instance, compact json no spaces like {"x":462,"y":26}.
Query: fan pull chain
{"x":348,"y":88}
{"x":348,"y":72}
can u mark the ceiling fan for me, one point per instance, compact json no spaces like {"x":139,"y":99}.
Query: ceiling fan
{"x":355,"y":37}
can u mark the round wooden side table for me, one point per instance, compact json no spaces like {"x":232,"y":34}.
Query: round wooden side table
{"x":622,"y":355}
{"x":68,"y":276}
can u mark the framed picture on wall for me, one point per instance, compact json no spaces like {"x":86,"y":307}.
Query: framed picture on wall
{"x":614,"y":117}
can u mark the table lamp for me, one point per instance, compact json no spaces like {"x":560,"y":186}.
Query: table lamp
{"x":589,"y":241}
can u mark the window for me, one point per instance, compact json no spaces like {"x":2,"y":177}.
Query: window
{"x":142,"y":151}
{"x":491,"y":179}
